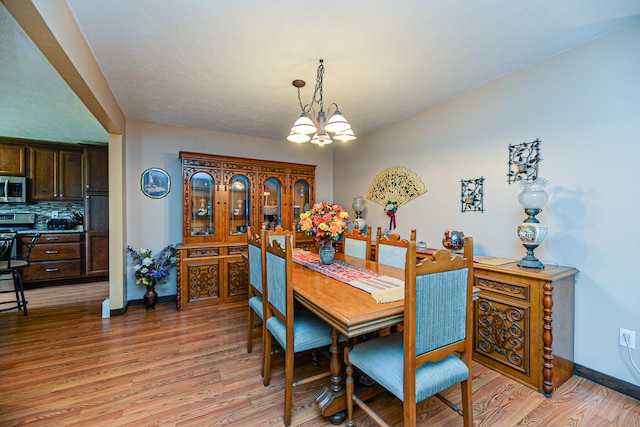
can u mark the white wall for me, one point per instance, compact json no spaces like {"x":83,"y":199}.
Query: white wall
{"x":154,"y":223}
{"x":584,"y":105}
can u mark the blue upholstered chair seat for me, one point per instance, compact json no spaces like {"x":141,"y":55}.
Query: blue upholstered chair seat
{"x":256,"y":305}
{"x":309,"y":331}
{"x":382,"y":360}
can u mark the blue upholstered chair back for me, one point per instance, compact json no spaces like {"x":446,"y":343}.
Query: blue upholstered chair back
{"x":356,"y":248}
{"x":277,"y":237}
{"x":441,"y":299}
{"x":255,"y":267}
{"x":277,"y":280}
{"x":395,"y":256}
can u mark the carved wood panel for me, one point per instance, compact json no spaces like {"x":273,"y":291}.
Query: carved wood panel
{"x":503,"y":332}
{"x":237,"y":278}
{"x":203,"y":280}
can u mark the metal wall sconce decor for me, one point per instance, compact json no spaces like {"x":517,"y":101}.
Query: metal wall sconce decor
{"x":523,"y":161}
{"x":472,"y":195}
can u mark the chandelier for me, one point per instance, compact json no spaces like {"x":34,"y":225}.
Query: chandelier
{"x":318,"y":130}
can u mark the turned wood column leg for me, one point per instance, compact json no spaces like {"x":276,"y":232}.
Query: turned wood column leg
{"x":331,"y":401}
{"x":547,"y":340}
{"x":335,"y":365}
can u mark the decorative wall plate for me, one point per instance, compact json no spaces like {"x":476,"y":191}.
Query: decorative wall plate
{"x":155,"y":183}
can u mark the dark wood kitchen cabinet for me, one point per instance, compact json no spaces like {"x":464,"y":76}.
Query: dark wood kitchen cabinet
{"x":56,"y":174}
{"x":13,"y":160}
{"x":96,"y":210}
{"x":56,"y":256}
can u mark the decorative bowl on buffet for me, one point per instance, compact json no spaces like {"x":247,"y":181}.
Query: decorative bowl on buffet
{"x":453,"y":240}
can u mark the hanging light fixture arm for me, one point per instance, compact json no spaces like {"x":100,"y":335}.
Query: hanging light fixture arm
{"x":310,"y":123}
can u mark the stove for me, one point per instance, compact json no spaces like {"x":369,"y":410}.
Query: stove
{"x":12,"y":222}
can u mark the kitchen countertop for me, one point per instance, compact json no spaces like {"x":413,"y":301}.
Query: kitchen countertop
{"x":42,"y":231}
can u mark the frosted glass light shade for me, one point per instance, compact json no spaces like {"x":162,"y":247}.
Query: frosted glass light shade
{"x":298,"y":138}
{"x":304,"y":125}
{"x":337,"y":123}
{"x":345,"y":136}
{"x":533,"y":195}
{"x":316,"y":140}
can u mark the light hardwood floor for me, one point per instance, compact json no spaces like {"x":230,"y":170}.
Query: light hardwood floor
{"x":65,"y":365}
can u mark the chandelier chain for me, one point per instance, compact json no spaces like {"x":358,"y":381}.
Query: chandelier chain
{"x":318,"y":88}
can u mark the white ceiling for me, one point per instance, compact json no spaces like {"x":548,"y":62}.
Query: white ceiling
{"x":228,"y":65}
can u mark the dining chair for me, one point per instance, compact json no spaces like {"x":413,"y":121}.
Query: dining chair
{"x":296,"y":330}
{"x":280,"y":234}
{"x":392,"y":250}
{"x":434,"y":350}
{"x":256,"y":254}
{"x":357,"y":244}
{"x":11,"y":269}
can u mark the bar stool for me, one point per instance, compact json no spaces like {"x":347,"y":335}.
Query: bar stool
{"x":13,"y":266}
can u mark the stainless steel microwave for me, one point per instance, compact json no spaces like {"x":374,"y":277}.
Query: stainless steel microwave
{"x":13,"y":189}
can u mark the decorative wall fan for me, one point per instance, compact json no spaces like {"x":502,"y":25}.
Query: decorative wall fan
{"x":394,"y":187}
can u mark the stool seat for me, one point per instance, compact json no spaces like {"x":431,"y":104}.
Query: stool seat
{"x":11,"y":269}
{"x":7,"y":266}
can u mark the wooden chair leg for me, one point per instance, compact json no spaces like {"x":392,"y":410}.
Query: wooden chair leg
{"x":467,"y":406}
{"x":250,"y":331}
{"x":267,"y":357}
{"x":410,"y":415}
{"x":288,"y":387}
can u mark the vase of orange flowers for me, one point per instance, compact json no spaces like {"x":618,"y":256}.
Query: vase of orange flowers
{"x":325,"y":222}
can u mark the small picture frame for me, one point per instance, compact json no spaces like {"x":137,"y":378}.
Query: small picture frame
{"x":155,"y":183}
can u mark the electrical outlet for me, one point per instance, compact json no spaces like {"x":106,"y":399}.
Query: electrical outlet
{"x":632,"y":338}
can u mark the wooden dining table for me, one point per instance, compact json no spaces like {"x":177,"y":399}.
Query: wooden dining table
{"x":351,"y":312}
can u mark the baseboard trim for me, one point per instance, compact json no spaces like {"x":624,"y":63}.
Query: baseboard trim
{"x":166,"y":298}
{"x":620,"y":386}
{"x":118,"y":312}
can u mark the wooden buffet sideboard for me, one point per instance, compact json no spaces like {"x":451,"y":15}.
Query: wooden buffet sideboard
{"x":524,"y":322}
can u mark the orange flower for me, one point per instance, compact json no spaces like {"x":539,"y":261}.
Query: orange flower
{"x":325,"y":222}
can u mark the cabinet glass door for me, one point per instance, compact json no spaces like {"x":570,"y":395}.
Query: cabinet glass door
{"x":239,"y":202}
{"x":202,"y":199}
{"x":272,"y":203}
{"x":301,"y":201}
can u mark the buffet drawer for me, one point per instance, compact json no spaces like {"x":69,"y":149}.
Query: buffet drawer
{"x":57,"y":252}
{"x":52,"y":270}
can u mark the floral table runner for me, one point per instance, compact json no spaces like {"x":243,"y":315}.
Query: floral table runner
{"x":382,"y":288}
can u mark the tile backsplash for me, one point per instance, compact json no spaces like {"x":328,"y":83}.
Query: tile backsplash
{"x":43,"y":210}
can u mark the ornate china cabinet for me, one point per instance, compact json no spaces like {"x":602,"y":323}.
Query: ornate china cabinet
{"x":221,"y":197}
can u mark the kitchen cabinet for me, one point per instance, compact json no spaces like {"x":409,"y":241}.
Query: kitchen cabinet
{"x":96,"y":222}
{"x":13,"y":160}
{"x":524,"y":323}
{"x":55,"y":256}
{"x":96,"y":209}
{"x":96,"y":169}
{"x":56,"y":174}
{"x":221,"y":197}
